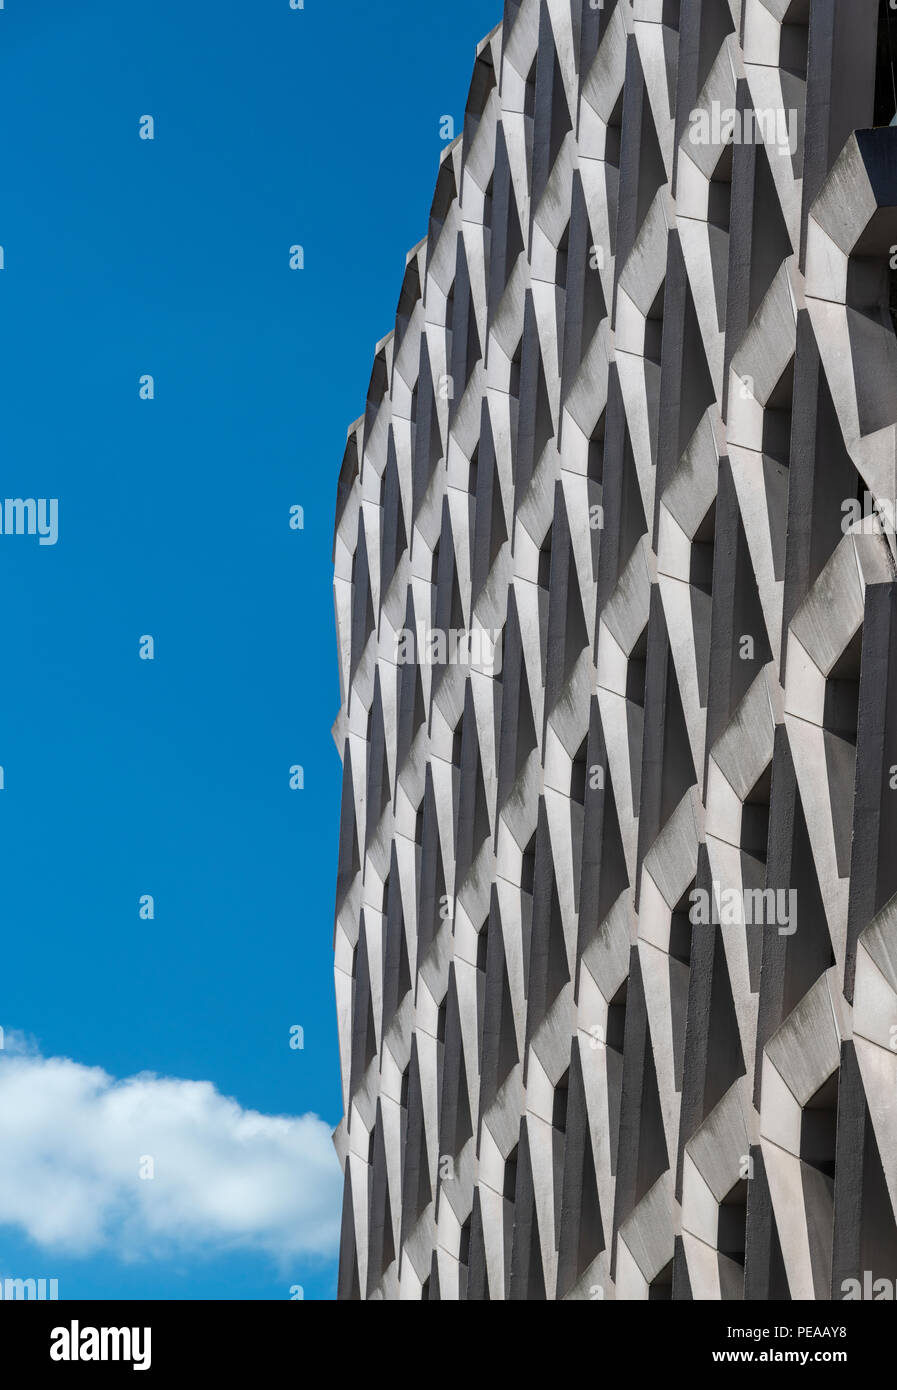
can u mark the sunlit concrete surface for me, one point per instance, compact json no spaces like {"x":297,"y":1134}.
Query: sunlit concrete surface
{"x":638,"y":419}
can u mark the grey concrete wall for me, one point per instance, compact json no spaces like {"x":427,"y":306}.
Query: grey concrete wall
{"x":638,"y":405}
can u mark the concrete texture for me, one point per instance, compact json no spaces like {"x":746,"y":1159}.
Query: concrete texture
{"x":640,"y":396}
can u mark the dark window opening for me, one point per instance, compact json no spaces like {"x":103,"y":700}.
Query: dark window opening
{"x":614,"y":1035}
{"x":464,"y":1244}
{"x":660,"y":1288}
{"x":560,"y":272}
{"x":679,"y":973}
{"x":818,"y":1128}
{"x":487,"y":202}
{"x":528,"y":867}
{"x":635,"y":671}
{"x":450,"y":309}
{"x":616,"y":1020}
{"x":885,"y":105}
{"x":596,"y":451}
{"x":472,"y":472}
{"x":794,"y":39}
{"x":545,"y":562}
{"x":482,"y":947}
{"x":700,"y":574}
{"x":842,"y":692}
{"x":559,"y":1108}
{"x":654,"y":328}
{"x":680,"y":928}
{"x":719,"y":216}
{"x":509,"y":1190}
{"x":612,"y":141}
{"x":514,"y":383}
{"x":732,"y":1228}
{"x":755,"y":818}
{"x":578,"y":775}
{"x":719,"y":202}
{"x":777,"y":418}
{"x":614,"y":134}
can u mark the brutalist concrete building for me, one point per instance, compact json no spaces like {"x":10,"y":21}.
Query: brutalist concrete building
{"x":616,"y":597}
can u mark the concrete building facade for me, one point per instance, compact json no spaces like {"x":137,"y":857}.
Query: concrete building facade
{"x":616,"y":600}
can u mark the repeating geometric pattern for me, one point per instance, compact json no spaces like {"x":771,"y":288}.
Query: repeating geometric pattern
{"x":639,"y":416}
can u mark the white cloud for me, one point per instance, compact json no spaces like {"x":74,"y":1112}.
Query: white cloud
{"x":71,"y":1143}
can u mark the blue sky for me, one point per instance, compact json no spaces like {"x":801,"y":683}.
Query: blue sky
{"x":170,"y":777}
